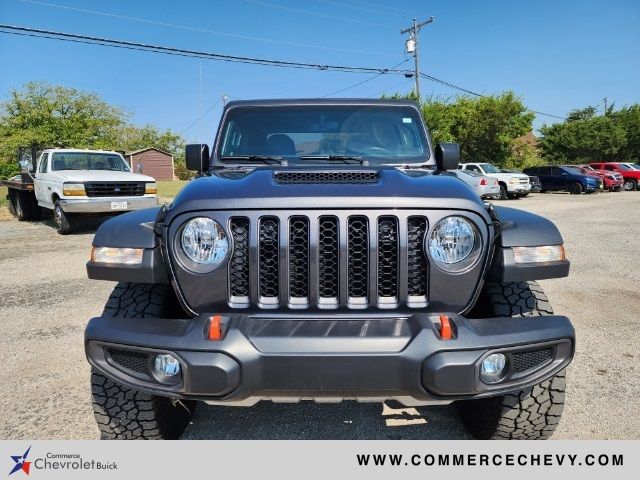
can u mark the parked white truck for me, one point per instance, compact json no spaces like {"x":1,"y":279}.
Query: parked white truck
{"x":512,"y":185}
{"x":72,"y":182}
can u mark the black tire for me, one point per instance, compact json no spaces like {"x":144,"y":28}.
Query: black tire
{"x":504,"y":194}
{"x":61,"y":219}
{"x":532,"y":413}
{"x":575,"y":188}
{"x":124,"y":413}
{"x":630,"y":185}
{"x":21,"y":205}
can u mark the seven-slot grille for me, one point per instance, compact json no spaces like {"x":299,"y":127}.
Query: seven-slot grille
{"x":323,"y":261}
{"x":128,"y":189}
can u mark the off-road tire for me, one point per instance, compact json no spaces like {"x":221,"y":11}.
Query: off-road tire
{"x":125,"y":413}
{"x":61,"y":219}
{"x":532,"y":413}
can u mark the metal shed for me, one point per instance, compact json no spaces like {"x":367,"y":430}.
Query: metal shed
{"x":153,"y":162}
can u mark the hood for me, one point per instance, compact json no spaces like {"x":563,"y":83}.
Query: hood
{"x":303,"y":188}
{"x":102,"y":176}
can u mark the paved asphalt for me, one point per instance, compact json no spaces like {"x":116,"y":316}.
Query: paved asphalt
{"x":46,"y":299}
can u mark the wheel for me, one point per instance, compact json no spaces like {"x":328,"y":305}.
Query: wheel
{"x":630,"y":185}
{"x":529,"y":414}
{"x":575,"y":188}
{"x":21,"y":206}
{"x":124,"y":413}
{"x":503,"y":192}
{"x":617,"y":189}
{"x":61,"y":219}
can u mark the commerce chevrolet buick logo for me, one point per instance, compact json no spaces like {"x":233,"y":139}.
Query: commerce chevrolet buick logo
{"x":21,"y":462}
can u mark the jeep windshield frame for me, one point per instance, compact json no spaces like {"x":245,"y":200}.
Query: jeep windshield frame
{"x":310,"y":133}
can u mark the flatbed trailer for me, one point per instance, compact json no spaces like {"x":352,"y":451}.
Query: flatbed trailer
{"x":21,"y":187}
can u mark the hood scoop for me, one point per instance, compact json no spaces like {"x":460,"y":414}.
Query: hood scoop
{"x":310,"y":177}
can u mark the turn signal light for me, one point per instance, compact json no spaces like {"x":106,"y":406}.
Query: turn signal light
{"x":122,"y":256}
{"x":151,"y":188}
{"x":548,"y":253}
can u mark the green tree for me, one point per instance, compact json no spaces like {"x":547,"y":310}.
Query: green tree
{"x":583,"y":137}
{"x":45,"y":115}
{"x":53,"y":116}
{"x":628,"y":118}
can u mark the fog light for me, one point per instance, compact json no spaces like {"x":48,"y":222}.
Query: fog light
{"x":166,"y":365}
{"x":493,"y":368}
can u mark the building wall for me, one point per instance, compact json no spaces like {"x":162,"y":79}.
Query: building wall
{"x":156,"y":164}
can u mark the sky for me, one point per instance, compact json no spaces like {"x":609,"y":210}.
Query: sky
{"x":556,"y":54}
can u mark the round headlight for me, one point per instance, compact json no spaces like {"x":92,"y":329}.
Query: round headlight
{"x":453,"y":240}
{"x":204,"y":241}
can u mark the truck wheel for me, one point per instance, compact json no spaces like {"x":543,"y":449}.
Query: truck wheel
{"x":504,"y":195}
{"x":61,"y":219}
{"x":124,"y":413}
{"x":532,"y":413}
{"x":630,"y":185}
{"x":20,"y":205}
{"x":575,"y":188}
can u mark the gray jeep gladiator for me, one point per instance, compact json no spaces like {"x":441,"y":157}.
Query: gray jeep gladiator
{"x":324,"y":253}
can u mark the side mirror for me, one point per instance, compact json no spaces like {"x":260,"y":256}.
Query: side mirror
{"x":447,"y":156}
{"x":196,"y":157}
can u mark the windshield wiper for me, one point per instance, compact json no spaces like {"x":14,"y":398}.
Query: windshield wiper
{"x":337,"y":158}
{"x":257,"y":158}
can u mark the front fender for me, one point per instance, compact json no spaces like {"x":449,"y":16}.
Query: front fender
{"x":131,"y":230}
{"x":524,"y":229}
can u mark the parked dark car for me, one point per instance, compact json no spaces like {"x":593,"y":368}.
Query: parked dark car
{"x":536,"y":186}
{"x":567,"y":179}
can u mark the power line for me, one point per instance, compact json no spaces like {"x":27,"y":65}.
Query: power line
{"x":201,"y":30}
{"x":363,"y":81}
{"x":382,"y":92}
{"x":377,"y":5}
{"x":476,"y":94}
{"x":354,"y":7}
{"x":192,"y":124}
{"x":86,"y":39}
{"x":316,"y":14}
{"x":89,"y":40}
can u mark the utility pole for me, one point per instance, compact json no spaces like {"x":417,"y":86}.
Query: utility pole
{"x":606,"y":105}
{"x":412,"y":47}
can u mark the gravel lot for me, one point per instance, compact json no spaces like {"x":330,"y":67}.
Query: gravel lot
{"x":46,"y":299}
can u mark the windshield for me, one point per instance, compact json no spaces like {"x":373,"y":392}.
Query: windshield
{"x":573,"y":171}
{"x":88,"y":161}
{"x":386,"y":134}
{"x":635,"y":166}
{"x":488,"y":168}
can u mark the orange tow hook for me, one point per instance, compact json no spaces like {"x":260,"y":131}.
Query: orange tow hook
{"x":446,"y":331}
{"x":215,"y":328}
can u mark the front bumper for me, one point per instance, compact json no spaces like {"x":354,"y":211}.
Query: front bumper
{"x":104,"y":204}
{"x":329,"y":358}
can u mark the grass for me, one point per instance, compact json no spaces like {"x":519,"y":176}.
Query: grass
{"x":167,"y":190}
{"x":3,"y":196}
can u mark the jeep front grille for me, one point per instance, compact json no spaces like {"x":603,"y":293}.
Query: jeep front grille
{"x":327,"y":261}
{"x":107,"y":189}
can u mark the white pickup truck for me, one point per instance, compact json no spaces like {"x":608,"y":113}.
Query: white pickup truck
{"x":512,"y":185}
{"x":74,"y":182}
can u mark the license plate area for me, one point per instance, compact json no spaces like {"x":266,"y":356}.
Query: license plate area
{"x":119,"y":205}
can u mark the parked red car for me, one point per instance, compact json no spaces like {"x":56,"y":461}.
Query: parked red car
{"x":630,"y":176}
{"x":612,"y":181}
